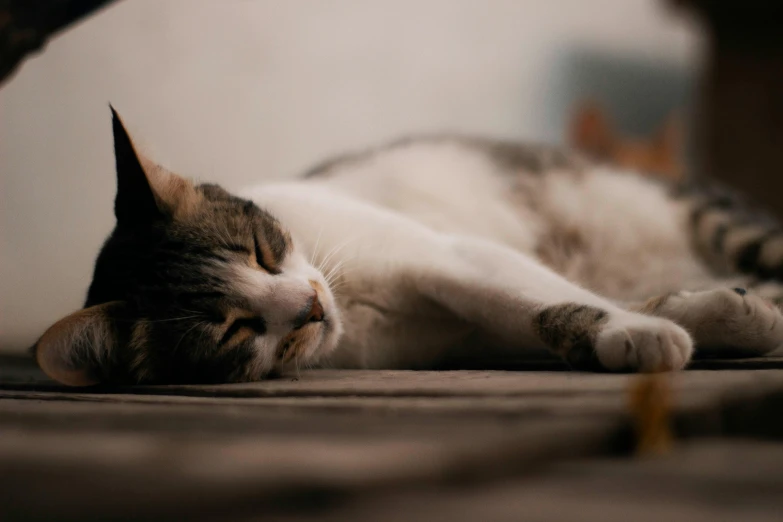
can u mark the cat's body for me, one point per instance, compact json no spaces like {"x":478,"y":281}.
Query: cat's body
{"x":426,"y":248}
{"x":591,"y":224}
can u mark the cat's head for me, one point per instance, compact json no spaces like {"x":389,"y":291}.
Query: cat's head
{"x":193,"y":285}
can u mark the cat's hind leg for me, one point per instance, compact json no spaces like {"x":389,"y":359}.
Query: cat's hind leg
{"x":727,"y":322}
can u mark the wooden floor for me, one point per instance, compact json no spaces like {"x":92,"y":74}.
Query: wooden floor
{"x":544,"y":445}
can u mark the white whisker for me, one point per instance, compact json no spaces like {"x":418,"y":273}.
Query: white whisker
{"x":200,"y":323}
{"x":315,"y":248}
{"x":333,"y":252}
{"x":338,"y":286}
{"x":334,"y":271}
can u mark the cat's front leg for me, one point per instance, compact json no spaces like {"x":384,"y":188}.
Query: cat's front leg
{"x":593,"y":338}
{"x":526,"y":305}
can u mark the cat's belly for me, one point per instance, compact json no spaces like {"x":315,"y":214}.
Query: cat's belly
{"x":618,"y":235}
{"x":449,"y":189}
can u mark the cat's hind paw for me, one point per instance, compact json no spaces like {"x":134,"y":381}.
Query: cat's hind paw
{"x":726,"y":321}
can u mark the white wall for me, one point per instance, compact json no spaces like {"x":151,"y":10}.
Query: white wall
{"x":234,"y":91}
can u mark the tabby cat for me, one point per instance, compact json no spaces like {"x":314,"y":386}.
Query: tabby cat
{"x":408,"y":254}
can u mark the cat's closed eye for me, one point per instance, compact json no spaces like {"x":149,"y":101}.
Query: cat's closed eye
{"x":264,"y":256}
{"x":255,"y":324}
{"x":260,"y":255}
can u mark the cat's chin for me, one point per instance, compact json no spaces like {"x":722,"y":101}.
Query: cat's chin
{"x":323,"y":339}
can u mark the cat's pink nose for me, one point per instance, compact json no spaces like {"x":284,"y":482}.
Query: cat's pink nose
{"x":316,"y":313}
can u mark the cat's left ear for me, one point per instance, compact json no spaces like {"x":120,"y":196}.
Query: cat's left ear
{"x":76,"y":350}
{"x":146,"y":192}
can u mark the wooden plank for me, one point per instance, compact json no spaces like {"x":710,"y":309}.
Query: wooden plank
{"x":22,"y":373}
{"x":697,"y":395}
{"x":461,"y":407}
{"x":238,"y":419}
{"x":467,"y":383}
{"x":90,"y":461}
{"x":705,"y":402}
{"x":174,"y":452}
{"x":697,"y":483}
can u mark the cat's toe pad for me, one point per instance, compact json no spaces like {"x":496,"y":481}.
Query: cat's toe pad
{"x":641,"y":343}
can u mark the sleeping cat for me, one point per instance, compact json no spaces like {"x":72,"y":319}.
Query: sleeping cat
{"x":410,"y":253}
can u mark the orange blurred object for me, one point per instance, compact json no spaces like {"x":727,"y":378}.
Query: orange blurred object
{"x":592,"y":133}
{"x":650,"y":405}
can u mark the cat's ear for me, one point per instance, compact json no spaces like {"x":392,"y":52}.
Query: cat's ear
{"x":591,"y":131}
{"x":669,"y":139}
{"x":146,"y":192}
{"x":74,"y":349}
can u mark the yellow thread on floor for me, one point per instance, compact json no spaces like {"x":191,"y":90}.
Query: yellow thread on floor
{"x":650,"y":405}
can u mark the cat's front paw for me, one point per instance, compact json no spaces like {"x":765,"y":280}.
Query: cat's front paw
{"x":635,"y":342}
{"x":591,"y":338}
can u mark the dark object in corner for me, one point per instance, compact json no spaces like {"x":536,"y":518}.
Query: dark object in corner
{"x":739,"y":127}
{"x":26,"y":25}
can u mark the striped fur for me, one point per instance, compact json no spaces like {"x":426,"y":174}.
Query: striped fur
{"x":570,"y":330}
{"x":732,"y":234}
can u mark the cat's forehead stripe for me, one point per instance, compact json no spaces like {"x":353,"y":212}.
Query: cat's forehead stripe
{"x":272,"y":233}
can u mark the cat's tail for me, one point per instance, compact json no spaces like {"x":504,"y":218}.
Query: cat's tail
{"x":732,"y":234}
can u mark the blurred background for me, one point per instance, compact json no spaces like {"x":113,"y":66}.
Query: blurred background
{"x":238,"y":91}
